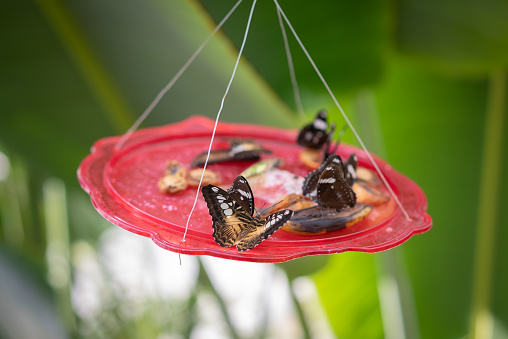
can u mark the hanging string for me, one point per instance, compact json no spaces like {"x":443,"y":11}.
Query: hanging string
{"x":218,"y":116}
{"x":170,"y":84}
{"x":292,"y":75}
{"x":385,"y":182}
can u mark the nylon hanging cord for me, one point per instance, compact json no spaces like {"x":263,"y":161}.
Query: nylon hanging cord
{"x":385,"y":182}
{"x":218,"y":116}
{"x":170,"y":84}
{"x":292,"y":75}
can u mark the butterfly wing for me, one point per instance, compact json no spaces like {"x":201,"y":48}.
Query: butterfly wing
{"x":264,"y":228}
{"x":309,"y":187}
{"x":332,"y":189}
{"x":350,"y":168}
{"x":230,"y":218}
{"x":216,"y":156}
{"x":241,"y":191}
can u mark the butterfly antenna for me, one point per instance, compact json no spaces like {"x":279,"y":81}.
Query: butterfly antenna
{"x":337,"y":143}
{"x":262,"y":211}
{"x":329,"y":141}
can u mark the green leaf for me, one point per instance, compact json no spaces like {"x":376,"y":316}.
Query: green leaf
{"x":48,"y":115}
{"x":433,"y":130}
{"x":348,"y":291}
{"x":52,"y":111}
{"x":458,"y":36}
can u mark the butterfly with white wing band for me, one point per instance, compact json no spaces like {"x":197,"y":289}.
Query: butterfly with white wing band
{"x":315,"y":134}
{"x":328,"y":186}
{"x":232,"y":215}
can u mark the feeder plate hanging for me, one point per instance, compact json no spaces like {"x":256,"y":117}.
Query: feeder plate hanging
{"x":123,"y":187}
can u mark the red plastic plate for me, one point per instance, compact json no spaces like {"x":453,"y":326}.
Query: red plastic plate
{"x":122,"y":185}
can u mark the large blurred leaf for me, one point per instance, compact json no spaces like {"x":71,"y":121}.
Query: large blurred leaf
{"x":144,"y":44}
{"x":64,"y":64}
{"x":433,"y":129}
{"x":47,"y":113}
{"x":459,"y":36}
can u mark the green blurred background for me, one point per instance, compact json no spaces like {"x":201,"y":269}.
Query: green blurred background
{"x":423,"y":81}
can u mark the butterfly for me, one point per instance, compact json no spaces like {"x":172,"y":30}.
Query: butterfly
{"x":232,"y":213}
{"x":239,"y":150}
{"x":328,"y":185}
{"x":332,"y":189}
{"x":315,"y":135}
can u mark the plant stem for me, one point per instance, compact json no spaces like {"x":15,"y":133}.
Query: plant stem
{"x":58,"y":246}
{"x":204,"y":281}
{"x":488,"y":208}
{"x":299,"y":312}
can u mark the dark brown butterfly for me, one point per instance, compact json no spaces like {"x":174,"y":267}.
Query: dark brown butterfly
{"x":315,"y":134}
{"x":332,"y":189}
{"x":328,"y":185}
{"x":239,"y":150}
{"x":232,"y":216}
{"x":310,"y":182}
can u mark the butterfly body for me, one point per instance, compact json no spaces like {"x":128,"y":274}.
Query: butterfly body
{"x":233,"y":220}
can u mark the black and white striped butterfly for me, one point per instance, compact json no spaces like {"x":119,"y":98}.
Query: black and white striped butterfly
{"x":328,"y":185}
{"x":232,"y":215}
{"x":315,"y":134}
